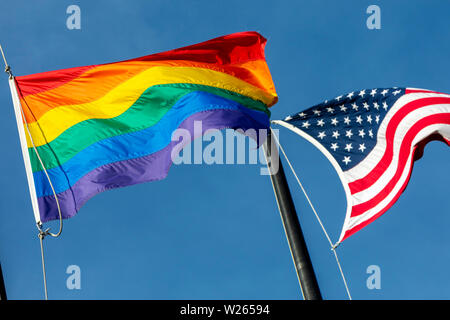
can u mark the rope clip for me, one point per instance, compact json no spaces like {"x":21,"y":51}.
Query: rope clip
{"x":8,"y":71}
{"x":42,"y":233}
{"x":334,"y":246}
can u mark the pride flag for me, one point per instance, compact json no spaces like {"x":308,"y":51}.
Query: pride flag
{"x":106,"y":126}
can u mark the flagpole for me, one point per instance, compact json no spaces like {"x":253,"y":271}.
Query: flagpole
{"x":302,"y":261}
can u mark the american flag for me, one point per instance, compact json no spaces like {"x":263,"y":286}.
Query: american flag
{"x":372,"y":137}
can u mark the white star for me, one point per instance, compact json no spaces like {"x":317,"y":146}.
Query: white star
{"x":348,"y":147}
{"x":343,"y":108}
{"x":335,"y":134}
{"x":317,"y":112}
{"x":334,"y":121}
{"x":396,"y":92}
{"x":330,"y":110}
{"x":369,"y":119}
{"x":348,"y":133}
{"x":326,"y":101}
{"x":362,"y":147}
{"x":373,"y":92}
{"x":362,"y":93}
{"x":321,"y":135}
{"x":305,"y":124}
{"x":370,"y":133}
{"x":346,"y":160}
{"x":288,"y":118}
{"x":355,"y":106}
{"x":320,"y":122}
{"x":338,"y":98}
{"x":376,"y":106}
{"x":377,"y":118}
{"x":385,"y":106}
{"x":350,"y":95}
{"x":302,"y":114}
{"x":384,"y":92}
{"x":347,"y":120}
{"x":359,"y":119}
{"x":334,"y":146}
{"x":361,"y":133}
{"x":366,"y":106}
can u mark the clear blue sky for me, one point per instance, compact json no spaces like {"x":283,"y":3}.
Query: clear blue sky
{"x":213,"y":232}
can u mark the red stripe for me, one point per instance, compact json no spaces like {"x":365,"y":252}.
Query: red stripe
{"x":39,"y":82}
{"x":404,"y":155}
{"x":230,"y":49}
{"x":364,"y":183}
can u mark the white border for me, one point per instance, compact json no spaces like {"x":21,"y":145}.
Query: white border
{"x":23,"y":144}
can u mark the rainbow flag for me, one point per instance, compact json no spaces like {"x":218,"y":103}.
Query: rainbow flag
{"x":106,"y":126}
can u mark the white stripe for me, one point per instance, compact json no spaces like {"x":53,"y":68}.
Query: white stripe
{"x":365,"y":167}
{"x":442,"y":129}
{"x":402,"y":129}
{"x":23,"y":144}
{"x":419,"y":89}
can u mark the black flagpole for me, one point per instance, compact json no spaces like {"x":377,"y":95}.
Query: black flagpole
{"x":302,"y":261}
{"x":2,"y":286}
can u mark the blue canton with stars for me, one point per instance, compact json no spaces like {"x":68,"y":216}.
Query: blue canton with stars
{"x":347,"y":126}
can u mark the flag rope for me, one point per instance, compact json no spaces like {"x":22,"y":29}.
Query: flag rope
{"x":42,"y":233}
{"x":333,"y":247}
{"x":39,"y":225}
{"x":41,"y":237}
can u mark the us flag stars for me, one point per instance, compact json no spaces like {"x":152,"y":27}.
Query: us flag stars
{"x":347,"y":125}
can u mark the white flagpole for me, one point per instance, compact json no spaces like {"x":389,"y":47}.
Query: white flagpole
{"x":23,"y":144}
